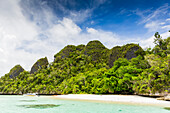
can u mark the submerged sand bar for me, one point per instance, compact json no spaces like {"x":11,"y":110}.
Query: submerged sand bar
{"x":128,"y":99}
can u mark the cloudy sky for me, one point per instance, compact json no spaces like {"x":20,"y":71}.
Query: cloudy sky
{"x":32,"y":29}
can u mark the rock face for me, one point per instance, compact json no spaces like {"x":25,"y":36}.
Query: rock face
{"x":115,"y":53}
{"x":67,"y":51}
{"x":41,"y":63}
{"x":127,"y":51}
{"x":15,"y":71}
{"x":80,"y":47}
{"x":96,"y":50}
{"x":99,"y":53}
{"x":130,"y":51}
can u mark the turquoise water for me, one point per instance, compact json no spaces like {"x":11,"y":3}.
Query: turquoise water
{"x":21,"y":104}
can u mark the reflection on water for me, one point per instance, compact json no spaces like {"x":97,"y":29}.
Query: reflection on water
{"x":40,"y":106}
{"x":167,"y":108}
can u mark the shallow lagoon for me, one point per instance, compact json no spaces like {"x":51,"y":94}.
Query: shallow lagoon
{"x":21,"y":104}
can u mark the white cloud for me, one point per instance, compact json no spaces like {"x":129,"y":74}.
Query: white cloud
{"x":149,"y":41}
{"x":1,"y":50}
{"x":168,"y":19}
{"x":152,"y":26}
{"x":165,"y":35}
{"x":109,"y":39}
{"x":155,"y":20}
{"x":14,"y":29}
{"x":166,"y":27}
{"x":161,"y":11}
{"x":67,"y":32}
{"x":162,"y":23}
{"x":91,"y":30}
{"x":80,"y":16}
{"x":23,"y":41}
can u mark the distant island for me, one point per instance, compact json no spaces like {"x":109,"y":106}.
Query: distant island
{"x":95,"y":69}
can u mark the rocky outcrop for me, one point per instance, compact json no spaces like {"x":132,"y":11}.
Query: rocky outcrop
{"x":15,"y":71}
{"x":130,"y":51}
{"x":41,"y":63}
{"x":99,"y":53}
{"x":80,"y":47}
{"x":96,"y":50}
{"x":115,"y":53}
{"x":127,"y":51}
{"x":67,"y":51}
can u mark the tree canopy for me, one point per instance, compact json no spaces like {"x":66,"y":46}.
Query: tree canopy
{"x":94,"y":69}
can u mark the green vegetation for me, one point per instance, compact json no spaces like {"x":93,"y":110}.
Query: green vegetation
{"x":16,"y":70}
{"x":167,"y":108}
{"x":41,"y":63}
{"x":94,"y":69}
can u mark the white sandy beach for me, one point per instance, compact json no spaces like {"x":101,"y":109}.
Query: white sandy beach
{"x":128,"y":99}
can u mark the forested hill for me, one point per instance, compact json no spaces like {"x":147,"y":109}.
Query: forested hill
{"x":95,"y":69}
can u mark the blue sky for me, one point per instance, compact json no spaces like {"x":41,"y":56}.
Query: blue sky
{"x":32,"y":29}
{"x":124,"y":17}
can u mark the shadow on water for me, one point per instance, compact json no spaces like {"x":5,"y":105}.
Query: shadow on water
{"x":167,"y":108}
{"x":28,"y":100}
{"x":39,"y":106}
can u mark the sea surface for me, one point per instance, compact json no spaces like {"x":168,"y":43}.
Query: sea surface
{"x":26,"y":104}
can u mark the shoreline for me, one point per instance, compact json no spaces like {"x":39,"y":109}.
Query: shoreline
{"x":116,"y":99}
{"x":111,"y":99}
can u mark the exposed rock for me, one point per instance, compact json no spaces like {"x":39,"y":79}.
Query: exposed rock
{"x":68,"y":51}
{"x":115,"y":53}
{"x":127,"y":51}
{"x":41,"y":63}
{"x":96,"y":50}
{"x":80,"y":47}
{"x":131,"y":52}
{"x":65,"y":52}
{"x":15,"y":71}
{"x":99,"y":53}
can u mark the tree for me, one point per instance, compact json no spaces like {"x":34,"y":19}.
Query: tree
{"x":158,"y":40}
